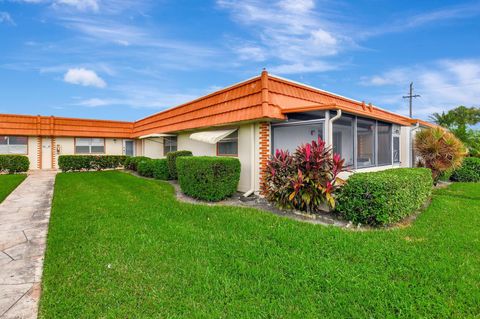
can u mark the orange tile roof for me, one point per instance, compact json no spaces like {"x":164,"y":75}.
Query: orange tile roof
{"x":62,"y":126}
{"x":262,"y":97}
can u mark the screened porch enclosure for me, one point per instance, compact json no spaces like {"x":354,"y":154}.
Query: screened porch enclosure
{"x":362,"y":142}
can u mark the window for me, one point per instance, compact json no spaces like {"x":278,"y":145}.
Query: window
{"x":289,"y":137}
{"x":89,"y":145}
{"x":13,"y":145}
{"x":169,"y":144}
{"x":343,"y":138}
{"x":228,"y":146}
{"x":384,"y":143}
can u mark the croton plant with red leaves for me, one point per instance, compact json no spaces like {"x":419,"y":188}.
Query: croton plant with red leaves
{"x":305,"y":180}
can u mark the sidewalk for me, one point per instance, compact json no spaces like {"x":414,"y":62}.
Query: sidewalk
{"x":24,"y":217}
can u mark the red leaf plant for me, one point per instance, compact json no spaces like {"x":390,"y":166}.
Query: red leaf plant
{"x":306,"y":180}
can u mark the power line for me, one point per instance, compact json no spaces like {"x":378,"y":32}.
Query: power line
{"x":410,"y":97}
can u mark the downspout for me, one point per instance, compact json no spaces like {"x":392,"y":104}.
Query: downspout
{"x":252,"y":163}
{"x":330,"y":127}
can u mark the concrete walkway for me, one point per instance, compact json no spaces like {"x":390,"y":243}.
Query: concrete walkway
{"x":24,"y":217}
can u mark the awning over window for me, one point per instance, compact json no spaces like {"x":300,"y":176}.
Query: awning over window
{"x":211,"y":137}
{"x":155,"y":135}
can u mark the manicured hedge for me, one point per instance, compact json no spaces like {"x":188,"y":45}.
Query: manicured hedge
{"x":469,"y":171}
{"x":14,"y":163}
{"x":386,"y":197}
{"x":90,"y":162}
{"x":172,"y":162}
{"x":132,"y":162}
{"x":208,"y":178}
{"x":156,"y":168}
{"x":160,"y":169}
{"x":145,"y":168}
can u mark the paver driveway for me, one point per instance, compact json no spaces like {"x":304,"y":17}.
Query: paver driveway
{"x":24,"y":217}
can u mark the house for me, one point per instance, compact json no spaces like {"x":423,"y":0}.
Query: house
{"x":248,"y":120}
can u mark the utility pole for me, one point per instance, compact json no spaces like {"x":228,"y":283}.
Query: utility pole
{"x":411,"y":96}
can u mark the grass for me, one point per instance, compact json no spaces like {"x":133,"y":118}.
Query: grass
{"x":8,"y":183}
{"x":123,"y":247}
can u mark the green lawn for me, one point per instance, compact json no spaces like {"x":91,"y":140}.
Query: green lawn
{"x":8,"y":183}
{"x":123,"y":247}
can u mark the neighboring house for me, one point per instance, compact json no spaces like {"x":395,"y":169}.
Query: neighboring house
{"x":248,"y":120}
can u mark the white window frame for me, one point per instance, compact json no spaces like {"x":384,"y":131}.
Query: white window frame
{"x":90,"y":143}
{"x":169,"y":148}
{"x":8,"y":149}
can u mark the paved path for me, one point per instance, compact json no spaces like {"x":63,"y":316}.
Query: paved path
{"x":24,"y":219}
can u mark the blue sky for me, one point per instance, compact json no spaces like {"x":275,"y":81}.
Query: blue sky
{"x":123,"y":59}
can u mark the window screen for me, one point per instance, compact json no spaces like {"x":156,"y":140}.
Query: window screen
{"x":289,"y":137}
{"x":384,"y":143}
{"x":229,"y":145}
{"x":343,"y":138}
{"x":365,"y":143}
{"x":169,"y":144}
{"x":13,"y":145}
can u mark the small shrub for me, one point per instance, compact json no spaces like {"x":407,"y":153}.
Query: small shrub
{"x":386,"y":197}
{"x":207,"y":177}
{"x":160,"y":169}
{"x":14,"y":163}
{"x":145,"y":168}
{"x":469,"y":171}
{"x":305,"y":180}
{"x":132,"y":162}
{"x":439,"y":150}
{"x":172,"y":162}
{"x":69,"y":163}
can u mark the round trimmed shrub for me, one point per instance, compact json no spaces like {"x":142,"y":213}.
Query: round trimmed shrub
{"x":386,"y":197}
{"x":172,"y":162}
{"x":207,"y":177}
{"x":160,"y":169}
{"x":145,"y":168}
{"x":469,"y":171}
{"x":14,"y":163}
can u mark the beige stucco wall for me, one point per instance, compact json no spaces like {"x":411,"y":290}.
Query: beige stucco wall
{"x":244,"y":151}
{"x":33,"y":151}
{"x":405,"y":146}
{"x":153,"y":147}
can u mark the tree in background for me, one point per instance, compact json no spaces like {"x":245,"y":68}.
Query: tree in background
{"x":439,"y":150}
{"x":459,"y":122}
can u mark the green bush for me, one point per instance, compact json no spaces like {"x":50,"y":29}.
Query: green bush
{"x":132,"y":162}
{"x":160,"y":169}
{"x":172,"y":162}
{"x":90,"y":162}
{"x":207,"y":177}
{"x":386,"y":197}
{"x":145,"y":168}
{"x":469,"y":171}
{"x":14,"y":163}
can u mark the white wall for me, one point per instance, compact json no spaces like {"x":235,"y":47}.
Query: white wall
{"x":244,"y":151}
{"x":153,"y":147}
{"x":33,"y":151}
{"x":405,"y":146}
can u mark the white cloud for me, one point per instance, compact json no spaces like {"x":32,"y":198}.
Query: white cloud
{"x":442,"y":84}
{"x":84,"y":77}
{"x":6,"y":18}
{"x":290,"y":31}
{"x":81,"y":5}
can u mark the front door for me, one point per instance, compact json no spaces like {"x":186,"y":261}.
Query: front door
{"x":46,"y":153}
{"x":129,"y":147}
